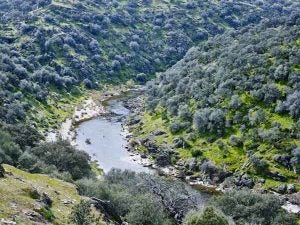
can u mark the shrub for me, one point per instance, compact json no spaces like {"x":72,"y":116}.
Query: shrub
{"x":196,"y":153}
{"x":146,"y":210}
{"x":209,"y":168}
{"x":27,"y":160}
{"x":87,"y":83}
{"x":24,"y":135}
{"x":9,"y":150}
{"x":64,"y":157}
{"x":209,"y":216}
{"x":235,"y":141}
{"x":260,"y":165}
{"x":82,"y":213}
{"x":247,"y":207}
{"x":133,"y":195}
{"x":141,"y":78}
{"x":175,"y":127}
{"x":212,"y":120}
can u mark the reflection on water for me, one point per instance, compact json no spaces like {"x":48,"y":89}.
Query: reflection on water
{"x":107,"y":145}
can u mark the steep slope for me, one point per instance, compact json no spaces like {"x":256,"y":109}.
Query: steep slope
{"x":25,"y":198}
{"x":50,"y":48}
{"x":232,"y":104}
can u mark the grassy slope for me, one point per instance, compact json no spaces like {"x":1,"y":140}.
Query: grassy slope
{"x":233,"y":158}
{"x":15,"y":198}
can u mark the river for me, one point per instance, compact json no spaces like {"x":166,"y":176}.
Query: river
{"x":102,"y":139}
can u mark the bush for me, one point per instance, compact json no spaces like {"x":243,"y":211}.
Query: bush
{"x":146,"y":210}
{"x":247,"y":207}
{"x":132,"y":195}
{"x":27,"y":160}
{"x":9,"y":150}
{"x":24,"y":135}
{"x":235,"y":141}
{"x":260,"y":165}
{"x":209,"y":168}
{"x":209,"y":216}
{"x":64,"y":157}
{"x":176,"y":126}
{"x":211,"y":120}
{"x":196,"y":153}
{"x":141,"y":78}
{"x":82,"y":213}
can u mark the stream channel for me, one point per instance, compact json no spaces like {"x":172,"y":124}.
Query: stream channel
{"x":102,"y":138}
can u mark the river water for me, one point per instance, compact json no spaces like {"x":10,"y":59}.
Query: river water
{"x":107,"y":144}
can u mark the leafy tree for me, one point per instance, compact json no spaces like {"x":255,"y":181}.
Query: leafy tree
{"x":24,"y":135}
{"x":209,"y":216}
{"x":64,"y":157}
{"x":9,"y":150}
{"x":147,"y":211}
{"x":247,"y":207}
{"x":82,"y":213}
{"x":260,"y":165}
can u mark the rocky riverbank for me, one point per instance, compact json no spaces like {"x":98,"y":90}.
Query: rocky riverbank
{"x":90,"y":108}
{"x":203,"y":176}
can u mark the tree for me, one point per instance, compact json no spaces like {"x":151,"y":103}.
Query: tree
{"x":201,"y":119}
{"x":209,"y":216}
{"x":260,"y":165}
{"x":141,"y":78}
{"x":116,"y":65}
{"x":235,"y":102}
{"x":147,"y":211}
{"x":134,"y":46}
{"x":24,"y":135}
{"x":184,"y":113}
{"x":9,"y":150}
{"x":247,"y":207}
{"x":87,"y":83}
{"x":64,"y":157}
{"x":295,"y":160}
{"x":27,"y":160}
{"x":82,"y":213}
{"x":291,"y":105}
{"x":207,"y":119}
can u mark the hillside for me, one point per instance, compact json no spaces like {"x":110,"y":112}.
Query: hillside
{"x":35,"y":199}
{"x":52,"y":50}
{"x":231,"y":104}
{"x":221,"y":108}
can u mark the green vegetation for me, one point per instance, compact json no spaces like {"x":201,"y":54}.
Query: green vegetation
{"x":141,"y":199}
{"x":144,"y":199}
{"x":235,"y":100}
{"x":82,"y":213}
{"x":226,"y":103}
{"x":57,"y":158}
{"x":20,"y":192}
{"x":53,"y":50}
{"x":239,"y":208}
{"x":208,"y":217}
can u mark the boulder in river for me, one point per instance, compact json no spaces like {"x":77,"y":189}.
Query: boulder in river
{"x":88,"y":141}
